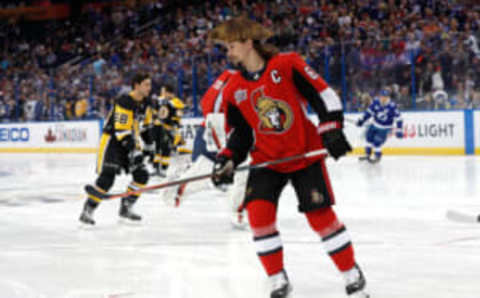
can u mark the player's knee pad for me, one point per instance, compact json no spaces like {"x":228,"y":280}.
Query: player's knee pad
{"x":105,"y":179}
{"x":323,"y":220}
{"x":262,"y":217}
{"x":378,"y":142}
{"x":370,"y":134}
{"x":140,"y":175}
{"x":372,"y":138}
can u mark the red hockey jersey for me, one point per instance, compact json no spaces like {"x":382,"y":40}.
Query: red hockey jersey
{"x":211,"y":101}
{"x":268,"y":112}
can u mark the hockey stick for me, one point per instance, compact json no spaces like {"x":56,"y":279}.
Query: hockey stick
{"x":105,"y":196}
{"x":216,"y":138}
{"x":462,"y":217}
{"x":351,"y":121}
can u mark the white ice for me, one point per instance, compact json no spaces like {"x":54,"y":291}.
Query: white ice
{"x":394,"y":211}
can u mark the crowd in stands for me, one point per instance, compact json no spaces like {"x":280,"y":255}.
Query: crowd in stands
{"x":74,"y":68}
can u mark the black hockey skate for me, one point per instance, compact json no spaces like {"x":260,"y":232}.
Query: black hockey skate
{"x":281,"y":287}
{"x":281,"y":292}
{"x":356,"y":287}
{"x":364,"y":158}
{"x":126,"y":210}
{"x":374,"y":160}
{"x":159,"y":171}
{"x":87,"y":215}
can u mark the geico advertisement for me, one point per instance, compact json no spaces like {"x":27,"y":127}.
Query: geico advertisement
{"x":75,"y":134}
{"x":422,"y":129}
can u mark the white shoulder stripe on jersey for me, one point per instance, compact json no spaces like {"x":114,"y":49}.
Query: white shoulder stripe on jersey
{"x":331,"y":100}
{"x":218,"y":102}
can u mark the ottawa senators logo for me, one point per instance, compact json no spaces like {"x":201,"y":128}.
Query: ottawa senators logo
{"x":275,"y":116}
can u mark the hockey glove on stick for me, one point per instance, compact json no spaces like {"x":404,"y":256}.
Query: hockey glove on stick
{"x":334,"y":139}
{"x":399,"y":134}
{"x":336,"y":143}
{"x":136,"y":160}
{"x":223,"y":171}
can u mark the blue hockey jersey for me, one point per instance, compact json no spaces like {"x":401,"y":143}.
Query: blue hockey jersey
{"x":384,"y":116}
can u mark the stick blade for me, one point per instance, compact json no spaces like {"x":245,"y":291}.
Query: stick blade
{"x":462,"y":217}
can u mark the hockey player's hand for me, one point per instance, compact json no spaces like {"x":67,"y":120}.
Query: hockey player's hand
{"x":128,"y":143}
{"x":359,"y":122}
{"x":223,"y":171}
{"x":149,"y":151}
{"x":136,"y":160}
{"x":399,"y":134}
{"x":336,"y":143}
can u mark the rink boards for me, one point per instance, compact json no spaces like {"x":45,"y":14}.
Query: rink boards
{"x":425,"y":133}
{"x":52,"y":137}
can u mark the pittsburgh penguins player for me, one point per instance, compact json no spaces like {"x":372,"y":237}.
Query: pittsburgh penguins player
{"x":129,"y":121}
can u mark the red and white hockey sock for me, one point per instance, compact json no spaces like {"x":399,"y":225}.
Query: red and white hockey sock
{"x":334,"y":236}
{"x":262,"y":218}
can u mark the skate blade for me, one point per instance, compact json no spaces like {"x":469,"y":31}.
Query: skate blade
{"x":128,"y":222}
{"x":457,"y":216}
{"x":360,"y":295}
{"x":158,"y":176}
{"x":85,"y":226}
{"x":239,"y":226}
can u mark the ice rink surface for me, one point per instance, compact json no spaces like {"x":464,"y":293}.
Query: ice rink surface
{"x":394,"y":211}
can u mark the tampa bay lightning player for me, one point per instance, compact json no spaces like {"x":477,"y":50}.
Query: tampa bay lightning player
{"x":384,"y":114}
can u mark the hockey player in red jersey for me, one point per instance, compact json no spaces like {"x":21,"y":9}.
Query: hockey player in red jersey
{"x":209,"y":139}
{"x":211,"y":103}
{"x":265,"y":104}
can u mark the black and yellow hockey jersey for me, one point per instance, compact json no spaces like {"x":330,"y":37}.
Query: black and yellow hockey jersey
{"x":128,"y":121}
{"x":168,"y":113}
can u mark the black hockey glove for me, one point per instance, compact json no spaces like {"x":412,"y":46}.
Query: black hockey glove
{"x":399,"y":134}
{"x":128,"y":143}
{"x":336,"y":143}
{"x":136,"y":160}
{"x":223,"y":171}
